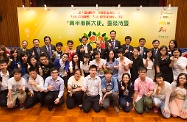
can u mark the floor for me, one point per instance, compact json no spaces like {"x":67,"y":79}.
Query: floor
{"x":76,"y":115}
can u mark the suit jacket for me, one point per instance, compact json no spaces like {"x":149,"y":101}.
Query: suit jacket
{"x":81,"y":54}
{"x":21,"y":51}
{"x":44,"y":49}
{"x":155,"y":53}
{"x":130,"y":48}
{"x":117,"y":46}
{"x":144,"y":51}
{"x":36,"y":54}
{"x":103,"y":53}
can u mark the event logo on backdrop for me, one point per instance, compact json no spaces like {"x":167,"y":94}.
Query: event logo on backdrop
{"x":65,"y":23}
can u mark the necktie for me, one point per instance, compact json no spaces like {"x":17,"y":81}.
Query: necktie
{"x":155,"y":52}
{"x":38,"y":50}
{"x":49,"y":51}
{"x":113,"y":44}
{"x":141,"y":48}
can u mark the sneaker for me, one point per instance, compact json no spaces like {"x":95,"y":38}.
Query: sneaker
{"x":155,"y":109}
{"x":116,"y":109}
{"x":146,"y":110}
{"x":80,"y":106}
{"x":21,"y":107}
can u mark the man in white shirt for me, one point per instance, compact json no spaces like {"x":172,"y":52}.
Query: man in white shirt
{"x":36,"y":87}
{"x":16,"y":89}
{"x":4,"y":76}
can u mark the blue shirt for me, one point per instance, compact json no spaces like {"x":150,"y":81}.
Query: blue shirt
{"x":112,"y":64}
{"x":113,"y":83}
{"x":58,"y":85}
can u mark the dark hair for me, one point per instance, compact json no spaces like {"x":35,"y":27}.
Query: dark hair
{"x":135,"y":48}
{"x":142,"y":68}
{"x":53,"y":69}
{"x":47,"y":37}
{"x":34,"y":40}
{"x":69,"y":41}
{"x":43,"y":55}
{"x":65,"y":54}
{"x":162,"y":47}
{"x":158,"y":75}
{"x":112,"y":31}
{"x":108,"y":71}
{"x":59,"y":44}
{"x":177,"y":49}
{"x":93,"y":67}
{"x":149,"y":50}
{"x":24,"y":41}
{"x":21,"y":60}
{"x":155,"y":41}
{"x":141,"y":39}
{"x":178,"y":83}
{"x":17,"y":70}
{"x":96,"y":52}
{"x":37,"y":64}
{"x":32,"y":69}
{"x":85,"y":37}
{"x":120,"y":50}
{"x":77,"y":70}
{"x":86,"y":55}
{"x":2,"y":47}
{"x":175,"y":43}
{"x":3,"y":61}
{"x":13,"y":50}
{"x":128,"y":37}
{"x":108,"y":58}
{"x":73,"y":63}
{"x":129,"y":83}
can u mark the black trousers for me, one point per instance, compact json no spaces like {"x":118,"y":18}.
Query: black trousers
{"x":51,"y":96}
{"x":31,"y":101}
{"x":65,"y":78}
{"x":91,"y":101}
{"x":3,"y":98}
{"x":75,"y":99}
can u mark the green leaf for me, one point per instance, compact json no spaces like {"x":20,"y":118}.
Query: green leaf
{"x":105,"y":38}
{"x":99,"y":34}
{"x":103,"y":35}
{"x":85,"y":34}
{"x":89,"y":34}
{"x":80,"y":39}
{"x":94,"y":33}
{"x":89,"y":44}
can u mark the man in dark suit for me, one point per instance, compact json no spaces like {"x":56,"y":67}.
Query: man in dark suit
{"x":112,"y":43}
{"x":102,"y":51}
{"x":84,"y":48}
{"x":48,"y":48}
{"x":36,"y":50}
{"x":141,"y":48}
{"x":127,"y":48}
{"x":24,"y":48}
{"x":155,"y":49}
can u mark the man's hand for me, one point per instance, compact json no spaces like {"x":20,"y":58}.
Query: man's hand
{"x":104,"y":90}
{"x":100,"y":102}
{"x":49,"y":88}
{"x":57,"y":100}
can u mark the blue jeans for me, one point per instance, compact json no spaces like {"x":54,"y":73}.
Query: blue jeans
{"x":123,"y":103}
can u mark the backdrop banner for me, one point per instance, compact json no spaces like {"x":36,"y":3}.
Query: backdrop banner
{"x":70,"y":23}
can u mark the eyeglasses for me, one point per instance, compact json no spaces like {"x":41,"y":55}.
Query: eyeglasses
{"x":182,"y":78}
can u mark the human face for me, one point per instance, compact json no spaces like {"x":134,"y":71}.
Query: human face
{"x":77,"y":75}
{"x":135,"y":52}
{"x":182,"y":79}
{"x":127,"y":41}
{"x":44,"y":60}
{"x":92,"y":72}
{"x":59,"y":48}
{"x":86,"y":60}
{"x":113,"y":35}
{"x":108,"y":77}
{"x":24,"y":44}
{"x":36,"y":43}
{"x":159,"y":80}
{"x":163,"y":51}
{"x":3,"y":66}
{"x":125,"y":79}
{"x":64,"y":58}
{"x":33,"y":61}
{"x":17,"y":76}
{"x":97,"y":56}
{"x":111,"y":54}
{"x":47,"y":41}
{"x":1,"y":52}
{"x":149,"y":54}
{"x":75,"y":58}
{"x":33,"y":74}
{"x":176,"y":54}
{"x":24,"y":58}
{"x":70,"y":45}
{"x":15,"y":54}
{"x":142,"y":43}
{"x":142,"y":73}
{"x":98,"y":44}
{"x":120,"y":55}
{"x":54,"y":74}
{"x":84,"y":41}
{"x":171,"y":45}
{"x":156,"y":44}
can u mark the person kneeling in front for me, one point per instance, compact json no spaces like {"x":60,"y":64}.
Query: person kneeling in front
{"x":92,"y":89}
{"x":16,"y":89}
{"x":54,"y":88}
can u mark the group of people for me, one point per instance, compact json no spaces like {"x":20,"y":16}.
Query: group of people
{"x":132,"y":77}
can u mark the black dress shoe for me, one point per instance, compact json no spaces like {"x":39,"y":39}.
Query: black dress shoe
{"x":50,"y":107}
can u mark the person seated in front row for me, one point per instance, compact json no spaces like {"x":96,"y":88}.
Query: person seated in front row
{"x":16,"y":89}
{"x":54,"y":88}
{"x":75,"y":93}
{"x":161,"y":95}
{"x":143,"y":88}
{"x":92,"y":89}
{"x":4,"y":76}
{"x":36,"y":87}
{"x":126,"y":90}
{"x":109,"y":87}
